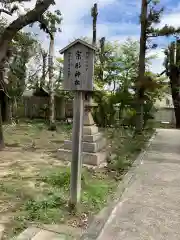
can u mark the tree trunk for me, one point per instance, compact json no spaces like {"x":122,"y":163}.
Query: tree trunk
{"x":2,"y":145}
{"x":88,"y":97}
{"x":10,"y":111}
{"x":141,"y":70}
{"x":94,"y":14}
{"x":174,"y":76}
{"x":177,"y":116}
{"x":22,"y":21}
{"x":63,"y":109}
{"x":174,"y":82}
{"x":51,"y":85}
{"x":15,"y":109}
{"x":10,"y":32}
{"x":2,"y":96}
{"x":102,"y":45}
{"x":44,"y":58}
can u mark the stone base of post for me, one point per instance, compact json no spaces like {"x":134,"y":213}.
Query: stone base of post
{"x":93,"y":143}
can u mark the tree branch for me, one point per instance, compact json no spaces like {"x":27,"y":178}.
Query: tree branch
{"x":164,"y":31}
{"x":20,"y":22}
{"x":159,"y":75}
{"x":34,"y":74}
{"x":11,"y":1}
{"x":5,"y":11}
{"x":44,"y":27}
{"x":28,"y":18}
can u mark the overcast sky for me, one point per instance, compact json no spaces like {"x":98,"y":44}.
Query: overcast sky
{"x":117,"y":20}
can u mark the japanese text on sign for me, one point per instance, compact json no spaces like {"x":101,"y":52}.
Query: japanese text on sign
{"x":78,"y":67}
{"x":86,"y":63}
{"x":69,"y":63}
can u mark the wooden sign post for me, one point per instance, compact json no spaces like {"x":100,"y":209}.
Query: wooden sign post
{"x":78,"y":77}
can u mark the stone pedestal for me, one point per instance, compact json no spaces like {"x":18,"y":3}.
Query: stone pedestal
{"x":93,"y":145}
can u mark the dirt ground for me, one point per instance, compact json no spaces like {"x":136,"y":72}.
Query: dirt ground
{"x":29,"y":151}
{"x":21,"y":169}
{"x":34,"y":184}
{"x":34,"y":135}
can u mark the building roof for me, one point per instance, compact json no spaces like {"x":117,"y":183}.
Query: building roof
{"x":32,"y":92}
{"x":75,"y":42}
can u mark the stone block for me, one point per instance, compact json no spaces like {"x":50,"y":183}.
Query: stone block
{"x":91,"y":147}
{"x":90,"y":130}
{"x":88,"y":119}
{"x":92,"y":138}
{"x":94,"y":159}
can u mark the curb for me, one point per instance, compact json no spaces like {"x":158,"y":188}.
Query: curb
{"x":99,"y":223}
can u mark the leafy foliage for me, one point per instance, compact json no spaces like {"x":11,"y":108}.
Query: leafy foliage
{"x":172,"y":70}
{"x":149,"y":18}
{"x":24,"y":49}
{"x":120,"y":69}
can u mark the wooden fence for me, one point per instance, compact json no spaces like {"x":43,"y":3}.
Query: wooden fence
{"x":38,"y":107}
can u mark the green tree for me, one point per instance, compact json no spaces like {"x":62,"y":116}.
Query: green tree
{"x":105,"y":71}
{"x":172,"y":66}
{"x":120,"y":74}
{"x":52,"y":22}
{"x":9,"y":32}
{"x":34,"y":15}
{"x":24,"y":48}
{"x":150,"y":15}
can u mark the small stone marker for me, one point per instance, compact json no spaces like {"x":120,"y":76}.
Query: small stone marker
{"x":78,"y":77}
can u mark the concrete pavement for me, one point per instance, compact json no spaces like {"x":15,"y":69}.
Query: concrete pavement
{"x":149,"y":208}
{"x":50,"y":232}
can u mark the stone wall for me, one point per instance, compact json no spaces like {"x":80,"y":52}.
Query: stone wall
{"x":165,"y":114}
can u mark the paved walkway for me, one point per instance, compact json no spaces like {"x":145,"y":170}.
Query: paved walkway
{"x":50,"y":232}
{"x":150,"y":207}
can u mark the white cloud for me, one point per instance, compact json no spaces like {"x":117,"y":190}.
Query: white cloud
{"x":157,"y":63}
{"x":171,"y":19}
{"x":73,"y":26}
{"x":73,"y":11}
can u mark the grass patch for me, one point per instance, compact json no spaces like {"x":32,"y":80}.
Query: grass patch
{"x":126,"y":147}
{"x":40,"y":191}
{"x":35,"y":133}
{"x":49,"y":203}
